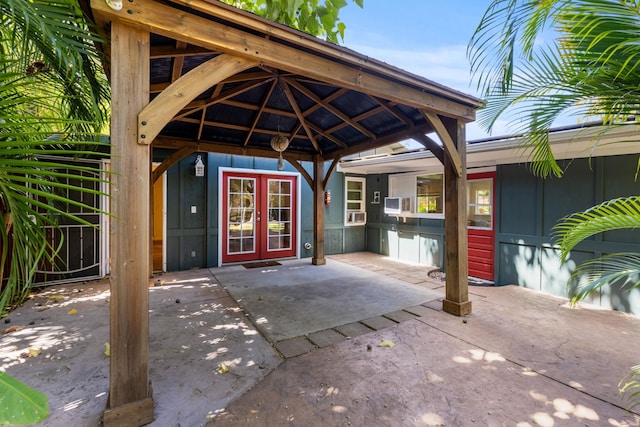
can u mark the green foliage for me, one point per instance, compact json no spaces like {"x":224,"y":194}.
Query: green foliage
{"x":53,"y":102}
{"x":611,"y":215}
{"x":20,"y":404}
{"x":630,"y":387}
{"x":591,"y":68}
{"x":621,"y":270}
{"x":316,"y":17}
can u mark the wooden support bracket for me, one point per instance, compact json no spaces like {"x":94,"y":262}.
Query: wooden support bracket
{"x":449,"y":145}
{"x":165,"y":106}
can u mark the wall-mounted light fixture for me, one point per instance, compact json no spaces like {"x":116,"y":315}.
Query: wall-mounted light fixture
{"x":199,"y":166}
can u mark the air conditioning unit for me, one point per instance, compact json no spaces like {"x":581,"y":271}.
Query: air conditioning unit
{"x":356,"y":218}
{"x":397,"y":205}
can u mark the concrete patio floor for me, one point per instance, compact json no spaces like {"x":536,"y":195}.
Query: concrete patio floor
{"x":294,"y":345}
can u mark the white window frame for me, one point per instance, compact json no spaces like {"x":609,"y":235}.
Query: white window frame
{"x":362,"y":201}
{"x":406,"y":185}
{"x":476,"y":205}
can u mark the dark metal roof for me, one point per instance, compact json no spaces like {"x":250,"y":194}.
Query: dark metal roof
{"x":319,"y":116}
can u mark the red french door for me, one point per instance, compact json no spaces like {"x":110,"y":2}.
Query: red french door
{"x":480,"y":217}
{"x":258,"y":216}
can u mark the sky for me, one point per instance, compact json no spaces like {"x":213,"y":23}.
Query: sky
{"x":426,"y":37}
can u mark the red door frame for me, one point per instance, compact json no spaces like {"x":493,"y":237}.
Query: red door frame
{"x":482,"y":241}
{"x":261,"y":217}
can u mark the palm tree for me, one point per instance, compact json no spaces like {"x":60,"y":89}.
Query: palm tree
{"x":591,"y":68}
{"x":53,"y":100}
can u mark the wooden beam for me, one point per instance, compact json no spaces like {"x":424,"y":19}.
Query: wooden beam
{"x":455,"y":228}
{"x":256,"y":119}
{"x":130,"y":187}
{"x":174,"y":158}
{"x":296,"y":108}
{"x":296,"y":164}
{"x":221,"y":96}
{"x":446,"y":139}
{"x":330,"y":137}
{"x":332,"y":167}
{"x":200,"y":31}
{"x":248,"y":106}
{"x":430,"y":145}
{"x":327,"y":106}
{"x":282,"y":32}
{"x":243,"y":77}
{"x":178,"y":51}
{"x":165,"y":106}
{"x":376,"y":143}
{"x":223,"y":125}
{"x":389,"y":108}
{"x":318,"y":211}
{"x":178,"y":62}
{"x":227,"y":148}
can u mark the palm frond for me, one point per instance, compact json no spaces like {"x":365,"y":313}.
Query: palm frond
{"x":620,"y":270}
{"x":591,"y":68}
{"x":629,"y":387}
{"x":506,"y":33}
{"x":613,"y":214}
{"x":52,"y":48}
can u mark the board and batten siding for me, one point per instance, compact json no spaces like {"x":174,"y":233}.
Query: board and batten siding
{"x":192,"y":238}
{"x":528,"y":208}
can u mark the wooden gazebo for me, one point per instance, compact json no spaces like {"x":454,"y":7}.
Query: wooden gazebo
{"x":198,"y":75}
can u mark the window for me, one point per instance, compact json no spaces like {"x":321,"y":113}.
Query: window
{"x":429,"y":198}
{"x":426,"y":192}
{"x":479,"y":211}
{"x":355,"y":201}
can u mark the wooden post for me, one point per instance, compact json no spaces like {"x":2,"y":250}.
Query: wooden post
{"x":455,"y":224}
{"x":130,"y":403}
{"x":318,"y":211}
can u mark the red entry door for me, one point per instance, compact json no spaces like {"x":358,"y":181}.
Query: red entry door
{"x":480,"y":217}
{"x":258,"y":216}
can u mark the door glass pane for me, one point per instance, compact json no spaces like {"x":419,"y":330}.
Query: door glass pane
{"x":240,"y":216}
{"x":479,"y":200}
{"x":279,"y":227}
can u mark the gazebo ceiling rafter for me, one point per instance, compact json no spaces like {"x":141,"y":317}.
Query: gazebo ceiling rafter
{"x":327,"y":98}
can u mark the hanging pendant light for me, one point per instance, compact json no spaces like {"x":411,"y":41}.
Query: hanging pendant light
{"x":280,"y":143}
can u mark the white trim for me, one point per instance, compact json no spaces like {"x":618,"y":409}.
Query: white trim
{"x":164,"y":221}
{"x":296,"y":175}
{"x":105,"y":220}
{"x":566,"y":144}
{"x":395,"y":181}
{"x":481,"y":170}
{"x":363,"y":200}
{"x":163,"y":177}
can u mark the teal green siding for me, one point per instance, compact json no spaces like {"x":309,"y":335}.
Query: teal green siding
{"x":192,"y":239}
{"x":414,"y":240}
{"x":529,"y":207}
